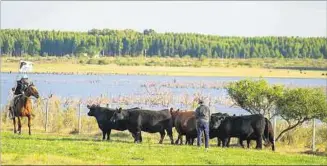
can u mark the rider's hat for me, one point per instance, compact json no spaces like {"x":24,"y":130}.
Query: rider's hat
{"x":24,"y":76}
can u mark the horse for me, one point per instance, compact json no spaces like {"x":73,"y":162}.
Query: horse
{"x":23,"y":107}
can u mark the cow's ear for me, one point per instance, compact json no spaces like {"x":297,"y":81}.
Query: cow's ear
{"x":178,"y":110}
{"x":171,"y":109}
{"x":120,"y":109}
{"x":88,"y":106}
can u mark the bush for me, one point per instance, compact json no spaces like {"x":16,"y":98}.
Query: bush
{"x":92,"y":61}
{"x":103,"y":62}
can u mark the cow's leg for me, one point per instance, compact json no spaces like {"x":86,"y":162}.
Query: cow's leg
{"x":271,"y":139}
{"x":170,"y":134}
{"x":240,"y":139}
{"x":134,"y":134}
{"x":218,"y":142}
{"x":162,"y":136}
{"x":259,"y":142}
{"x":19,"y":126}
{"x":29,"y":124}
{"x":178,"y":139}
{"x":138,"y":135}
{"x":108,"y":134}
{"x":104,"y":134}
{"x":14,"y":122}
{"x":141,"y":137}
{"x":187,"y":140}
{"x":191,"y":141}
{"x":224,"y":141}
{"x":181,"y":140}
{"x":248,"y":141}
{"x":228,"y":141}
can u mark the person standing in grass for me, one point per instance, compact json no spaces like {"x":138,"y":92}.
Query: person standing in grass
{"x":202,"y":116}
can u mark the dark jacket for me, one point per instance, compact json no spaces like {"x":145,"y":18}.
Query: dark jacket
{"x":20,"y":88}
{"x":202,"y":113}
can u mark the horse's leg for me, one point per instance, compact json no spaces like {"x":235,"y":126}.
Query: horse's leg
{"x":29,"y":124}
{"x":19,"y":126}
{"x":14,"y":121}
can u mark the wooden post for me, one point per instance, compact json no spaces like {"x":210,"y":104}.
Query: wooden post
{"x":79,"y":118}
{"x":314,"y":135}
{"x":275,"y":124}
{"x":46,"y":115}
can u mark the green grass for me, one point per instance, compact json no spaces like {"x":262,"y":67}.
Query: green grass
{"x":86,"y":149}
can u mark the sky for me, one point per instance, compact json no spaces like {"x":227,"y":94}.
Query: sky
{"x":233,"y":18}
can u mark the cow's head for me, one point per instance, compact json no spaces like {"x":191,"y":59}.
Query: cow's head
{"x":92,"y":109}
{"x":119,"y":114}
{"x":215,"y":121}
{"x":173,"y":114}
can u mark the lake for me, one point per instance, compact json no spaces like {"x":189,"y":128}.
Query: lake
{"x":85,"y":86}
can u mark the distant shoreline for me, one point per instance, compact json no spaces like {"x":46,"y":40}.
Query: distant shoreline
{"x":310,"y":74}
{"x":268,"y":68}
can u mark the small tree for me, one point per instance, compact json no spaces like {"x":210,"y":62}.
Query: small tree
{"x":299,"y":105}
{"x":255,"y":96}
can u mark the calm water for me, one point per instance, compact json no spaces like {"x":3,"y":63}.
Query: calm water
{"x":84,"y":86}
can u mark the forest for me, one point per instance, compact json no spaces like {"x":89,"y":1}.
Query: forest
{"x":149,"y":43}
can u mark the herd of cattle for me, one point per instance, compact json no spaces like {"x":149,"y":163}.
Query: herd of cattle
{"x":222,"y":126}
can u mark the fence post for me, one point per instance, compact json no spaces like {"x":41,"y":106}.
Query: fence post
{"x":79,"y":118}
{"x":314,"y":135}
{"x":46,"y":114}
{"x":275,"y":124}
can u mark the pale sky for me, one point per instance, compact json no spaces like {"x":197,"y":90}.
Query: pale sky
{"x":236,"y":18}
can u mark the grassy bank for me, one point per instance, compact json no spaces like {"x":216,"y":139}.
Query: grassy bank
{"x":175,"y":66}
{"x":62,"y":149}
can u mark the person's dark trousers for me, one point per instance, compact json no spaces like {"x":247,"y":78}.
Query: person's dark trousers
{"x":203,"y":126}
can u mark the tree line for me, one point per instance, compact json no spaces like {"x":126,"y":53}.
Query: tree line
{"x":128,"y":42}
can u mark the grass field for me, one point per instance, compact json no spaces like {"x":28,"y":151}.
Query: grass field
{"x":73,"y":149}
{"x":61,"y":65}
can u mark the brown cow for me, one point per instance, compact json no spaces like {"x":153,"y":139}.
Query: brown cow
{"x":185,"y":124}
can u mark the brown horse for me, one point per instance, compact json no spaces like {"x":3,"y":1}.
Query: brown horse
{"x":23,"y":107}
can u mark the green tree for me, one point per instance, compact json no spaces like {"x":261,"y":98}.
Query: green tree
{"x":255,"y":96}
{"x":299,"y":105}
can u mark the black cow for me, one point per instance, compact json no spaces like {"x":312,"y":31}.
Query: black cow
{"x":268,"y":136}
{"x":212,"y":133}
{"x":243,"y":127}
{"x":146,"y":120}
{"x":103,"y":115}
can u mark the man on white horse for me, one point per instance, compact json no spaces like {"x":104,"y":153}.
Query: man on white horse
{"x":22,"y":84}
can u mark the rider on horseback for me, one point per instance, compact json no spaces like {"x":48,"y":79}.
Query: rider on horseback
{"x":22,"y":84}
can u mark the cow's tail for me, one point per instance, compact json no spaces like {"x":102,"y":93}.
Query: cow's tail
{"x":269,"y":134}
